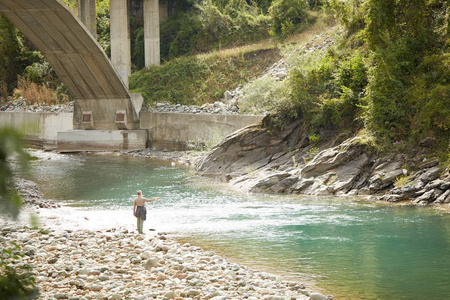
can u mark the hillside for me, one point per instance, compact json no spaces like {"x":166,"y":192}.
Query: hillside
{"x":382,"y":71}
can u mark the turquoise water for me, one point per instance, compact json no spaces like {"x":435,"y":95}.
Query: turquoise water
{"x":350,"y":248}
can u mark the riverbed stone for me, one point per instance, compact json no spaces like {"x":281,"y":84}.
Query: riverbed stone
{"x":317,"y":296}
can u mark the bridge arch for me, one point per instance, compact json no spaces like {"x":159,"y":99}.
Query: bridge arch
{"x":102,"y":99}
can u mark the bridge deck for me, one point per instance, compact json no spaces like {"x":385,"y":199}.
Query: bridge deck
{"x":70,"y":49}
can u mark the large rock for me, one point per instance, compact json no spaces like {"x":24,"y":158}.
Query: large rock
{"x":385,"y":174}
{"x":255,"y":159}
{"x":346,"y":175}
{"x":426,"y":197}
{"x":152,"y":262}
{"x":333,"y":158}
{"x":252,"y":147}
{"x":430,"y":174}
{"x":444,"y":198}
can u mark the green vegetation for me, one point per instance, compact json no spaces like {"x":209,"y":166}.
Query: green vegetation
{"x":11,"y":146}
{"x":389,"y":74}
{"x":200,"y":79}
{"x":15,"y":282}
{"x":386,"y":75}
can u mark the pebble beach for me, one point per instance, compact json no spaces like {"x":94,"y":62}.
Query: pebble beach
{"x":69,"y":260}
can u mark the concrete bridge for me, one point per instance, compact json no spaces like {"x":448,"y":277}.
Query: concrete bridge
{"x":99,"y":86}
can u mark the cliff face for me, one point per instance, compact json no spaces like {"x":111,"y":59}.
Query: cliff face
{"x":255,"y":159}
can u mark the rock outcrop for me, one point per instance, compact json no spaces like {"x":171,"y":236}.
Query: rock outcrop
{"x":255,"y":159}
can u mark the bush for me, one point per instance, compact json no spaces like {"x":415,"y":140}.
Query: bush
{"x":263,"y":95}
{"x":230,"y":23}
{"x":15,"y":283}
{"x":285,"y":14}
{"x":201,"y":79}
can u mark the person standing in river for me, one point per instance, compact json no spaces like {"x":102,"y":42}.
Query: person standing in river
{"x":139,"y":210}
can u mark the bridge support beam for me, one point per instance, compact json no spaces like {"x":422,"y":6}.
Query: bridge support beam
{"x":120,"y":39}
{"x":86,"y":12}
{"x":151,"y":33}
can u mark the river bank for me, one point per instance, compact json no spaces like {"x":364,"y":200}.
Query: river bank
{"x":71,"y":261}
{"x":251,"y":220}
{"x":79,"y":253}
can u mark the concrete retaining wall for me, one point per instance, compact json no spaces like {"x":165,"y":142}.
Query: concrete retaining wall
{"x":176,"y":132}
{"x":166,"y":131}
{"x":41,"y":129}
{"x":102,"y":140}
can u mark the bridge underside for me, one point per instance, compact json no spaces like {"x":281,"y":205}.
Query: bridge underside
{"x":102,"y":100}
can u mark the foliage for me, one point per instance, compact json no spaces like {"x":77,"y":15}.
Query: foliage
{"x":324,"y":89}
{"x":15,"y":54}
{"x":103,"y":25}
{"x":285,"y":14}
{"x":10,"y":146}
{"x":199,"y":79}
{"x":212,"y":24}
{"x":409,"y":75}
{"x":263,"y":95}
{"x":40,"y":93}
{"x":350,"y":13}
{"x":137,"y":44}
{"x":401,"y":181}
{"x":16,"y":282}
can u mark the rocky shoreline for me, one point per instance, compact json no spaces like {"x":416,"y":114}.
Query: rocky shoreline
{"x":68,"y":261}
{"x":118,"y":264}
{"x":257,"y":160}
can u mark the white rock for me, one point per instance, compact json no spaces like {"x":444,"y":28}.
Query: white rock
{"x":317,"y":296}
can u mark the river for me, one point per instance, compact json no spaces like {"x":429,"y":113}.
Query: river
{"x":351,"y":248}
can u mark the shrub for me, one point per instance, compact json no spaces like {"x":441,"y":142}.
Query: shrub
{"x":230,"y":23}
{"x":285,"y":14}
{"x":201,"y":79}
{"x":264,"y":94}
{"x":15,"y":283}
{"x":40,"y":72}
{"x":36,"y":93}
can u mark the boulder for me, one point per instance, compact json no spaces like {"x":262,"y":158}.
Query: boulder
{"x":253,"y":146}
{"x":268,"y":181}
{"x":385,"y":172}
{"x":444,"y":198}
{"x":429,"y":163}
{"x":282,"y":185}
{"x":392,"y":198}
{"x":426,"y":197}
{"x":347,"y":174}
{"x":317,"y":296}
{"x":430,"y":174}
{"x":332,"y":158}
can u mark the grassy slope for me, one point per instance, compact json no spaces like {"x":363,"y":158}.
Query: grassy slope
{"x":205,"y":77}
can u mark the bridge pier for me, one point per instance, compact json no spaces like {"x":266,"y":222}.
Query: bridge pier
{"x":120,"y":32}
{"x":151,"y":33}
{"x":86,"y":12}
{"x":120,"y":38}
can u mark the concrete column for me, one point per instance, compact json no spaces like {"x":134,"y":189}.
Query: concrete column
{"x":86,"y":12}
{"x":151,"y":33}
{"x":120,"y":38}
